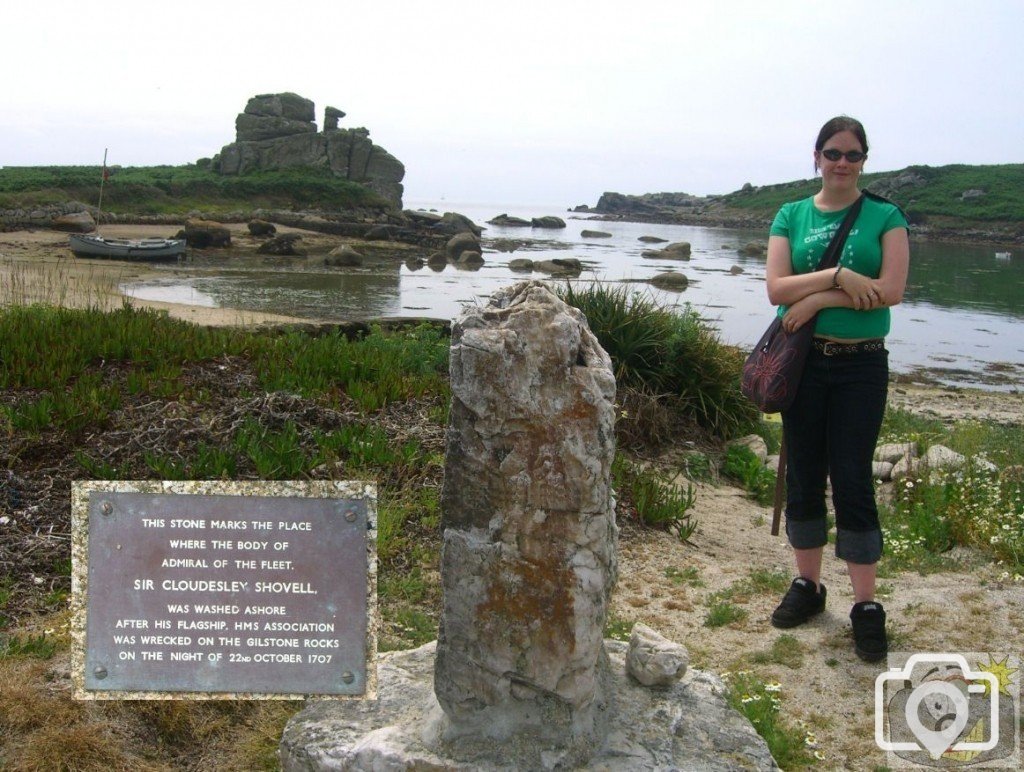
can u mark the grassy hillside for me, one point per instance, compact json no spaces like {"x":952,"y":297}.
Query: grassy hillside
{"x":926,"y":192}
{"x":179,"y":189}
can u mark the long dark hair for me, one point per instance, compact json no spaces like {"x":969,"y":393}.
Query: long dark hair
{"x":836,"y":125}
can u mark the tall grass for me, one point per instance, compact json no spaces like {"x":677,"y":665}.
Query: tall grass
{"x":673,"y":356}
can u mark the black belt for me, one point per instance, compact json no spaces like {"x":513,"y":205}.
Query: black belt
{"x":831,"y":348}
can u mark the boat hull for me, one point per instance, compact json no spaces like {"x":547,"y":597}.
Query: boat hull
{"x":127,"y":249}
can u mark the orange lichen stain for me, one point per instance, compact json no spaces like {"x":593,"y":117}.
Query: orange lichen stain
{"x":529,"y":604}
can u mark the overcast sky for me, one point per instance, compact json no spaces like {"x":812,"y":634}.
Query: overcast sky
{"x":525,"y":102}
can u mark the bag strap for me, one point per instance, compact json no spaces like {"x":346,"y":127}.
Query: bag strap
{"x":835,"y":246}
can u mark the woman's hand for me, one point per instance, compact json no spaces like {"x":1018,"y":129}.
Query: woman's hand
{"x":802,"y":311}
{"x":865,"y":293}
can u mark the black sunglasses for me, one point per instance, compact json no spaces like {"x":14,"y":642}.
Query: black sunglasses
{"x":853,"y":156}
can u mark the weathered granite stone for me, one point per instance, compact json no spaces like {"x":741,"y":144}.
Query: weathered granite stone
{"x":437,"y":260}
{"x":687,"y":725}
{"x":331,"y":117}
{"x":653,"y":659}
{"x":528,"y":556}
{"x":261,"y":228}
{"x":453,"y":222}
{"x":756,"y":445}
{"x":469,"y":257}
{"x":505,"y":221}
{"x":670,"y":280}
{"x":252,"y":128}
{"x":548,"y":221}
{"x":283,"y":245}
{"x":206,"y":233}
{"x":559,"y":266}
{"x":284,"y":105}
{"x":753,"y":249}
{"x":679,"y":250}
{"x":587,"y":234}
{"x":343,"y":256}
{"x":881,"y":470}
{"x":76,"y":222}
{"x":652,"y":240}
{"x":520,"y":264}
{"x":459,"y":243}
{"x":894,"y":451}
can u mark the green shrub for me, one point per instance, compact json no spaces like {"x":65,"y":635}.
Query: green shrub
{"x":743,"y":465}
{"x":671,"y":357}
{"x":657,"y":501}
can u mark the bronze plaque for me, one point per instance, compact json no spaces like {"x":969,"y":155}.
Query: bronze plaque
{"x":227,"y":594}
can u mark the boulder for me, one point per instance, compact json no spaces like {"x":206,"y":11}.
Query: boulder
{"x":343,"y":257}
{"x":548,"y":221}
{"x":894,"y":451}
{"x":736,"y":270}
{"x":679,"y":250}
{"x":76,"y":222}
{"x":453,"y":222}
{"x":437,"y":261}
{"x":254,"y":128}
{"x":261,"y":228}
{"x":881,"y":470}
{"x":415,"y":263}
{"x":755,"y":443}
{"x":331,"y":117}
{"x":285,"y":105}
{"x":521,"y":264}
{"x":595,"y":234}
{"x":206,"y":233}
{"x":508,"y":245}
{"x":381,"y":233}
{"x":422,"y":217}
{"x":653,"y":659}
{"x":284,"y":245}
{"x":469,"y":257}
{"x":504,"y":221}
{"x":651,"y":240}
{"x":559,"y":266}
{"x":459,"y":243}
{"x":753,"y":249}
{"x":670,"y":280}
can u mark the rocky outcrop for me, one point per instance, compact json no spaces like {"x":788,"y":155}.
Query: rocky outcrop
{"x":277,"y":131}
{"x":670,"y":280}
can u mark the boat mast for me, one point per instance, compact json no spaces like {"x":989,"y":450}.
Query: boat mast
{"x":103,"y":178}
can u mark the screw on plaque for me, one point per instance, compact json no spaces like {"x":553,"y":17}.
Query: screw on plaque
{"x":100,"y":672}
{"x":351,"y":515}
{"x":106,"y":508}
{"x":348,"y":677}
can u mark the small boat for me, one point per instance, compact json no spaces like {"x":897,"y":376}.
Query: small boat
{"x":127,"y":249}
{"x":1004,"y":255}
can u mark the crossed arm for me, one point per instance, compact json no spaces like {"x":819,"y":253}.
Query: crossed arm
{"x":808,"y":293}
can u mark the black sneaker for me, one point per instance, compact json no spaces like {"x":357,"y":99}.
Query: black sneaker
{"x":801,"y":602}
{"x":869,"y":641}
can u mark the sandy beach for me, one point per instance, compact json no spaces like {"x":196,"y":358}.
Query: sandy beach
{"x":38,"y":267}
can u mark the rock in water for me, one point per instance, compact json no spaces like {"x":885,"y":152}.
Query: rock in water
{"x":528,"y":557}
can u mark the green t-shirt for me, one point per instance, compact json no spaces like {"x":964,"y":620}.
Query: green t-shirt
{"x":810,"y":230}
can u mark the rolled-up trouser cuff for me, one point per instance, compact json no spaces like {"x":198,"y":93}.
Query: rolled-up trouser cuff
{"x":859,"y":546}
{"x":807,"y":534}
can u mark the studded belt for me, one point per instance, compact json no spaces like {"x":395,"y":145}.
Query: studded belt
{"x":831,"y":348}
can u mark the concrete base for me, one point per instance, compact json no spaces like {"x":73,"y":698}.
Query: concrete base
{"x":688,"y":725}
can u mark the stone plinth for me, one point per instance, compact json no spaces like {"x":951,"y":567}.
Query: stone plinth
{"x":686,"y":726}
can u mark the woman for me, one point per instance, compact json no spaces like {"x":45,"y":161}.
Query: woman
{"x":833,"y":424}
